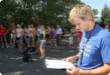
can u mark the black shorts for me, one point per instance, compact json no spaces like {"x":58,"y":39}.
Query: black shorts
{"x":17,"y":38}
{"x":47,"y":36}
{"x":36,"y":38}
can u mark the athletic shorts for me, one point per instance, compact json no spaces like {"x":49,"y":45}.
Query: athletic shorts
{"x":2,"y":38}
{"x":13,"y":36}
{"x":31,"y":38}
{"x":36,"y":38}
{"x":42,"y":43}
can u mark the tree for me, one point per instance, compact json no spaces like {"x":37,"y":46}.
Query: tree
{"x":95,"y":12}
{"x":47,"y":12}
{"x":7,"y":10}
{"x":105,"y":19}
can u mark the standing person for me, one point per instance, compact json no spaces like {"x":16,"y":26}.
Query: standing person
{"x":19,"y":37}
{"x":25,"y":36}
{"x":70,"y":39}
{"x":38,"y":32}
{"x":42,"y":41}
{"x":52,"y":36}
{"x":59,"y":33}
{"x":94,"y":54}
{"x":75,"y":37}
{"x":31,"y":35}
{"x":48,"y":31}
{"x":13,"y":35}
{"x":3,"y":32}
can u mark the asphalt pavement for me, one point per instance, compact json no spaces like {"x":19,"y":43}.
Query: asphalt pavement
{"x":11,"y":61}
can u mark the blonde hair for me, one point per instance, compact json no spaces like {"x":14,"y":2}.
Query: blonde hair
{"x":82,"y":11}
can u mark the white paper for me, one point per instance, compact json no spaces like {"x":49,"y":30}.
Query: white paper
{"x":0,"y":74}
{"x":57,"y":64}
{"x":0,"y":0}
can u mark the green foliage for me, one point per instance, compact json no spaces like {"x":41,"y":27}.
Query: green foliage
{"x":105,"y":19}
{"x":47,"y":12}
{"x":95,"y":11}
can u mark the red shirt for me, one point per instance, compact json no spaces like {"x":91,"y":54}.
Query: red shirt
{"x":3,"y":31}
{"x":13,"y":30}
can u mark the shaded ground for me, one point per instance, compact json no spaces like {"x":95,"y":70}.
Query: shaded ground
{"x":11,"y":61}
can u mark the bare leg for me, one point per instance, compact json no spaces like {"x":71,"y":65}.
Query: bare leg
{"x":42,"y":51}
{"x":6,"y":42}
{"x":2,"y":42}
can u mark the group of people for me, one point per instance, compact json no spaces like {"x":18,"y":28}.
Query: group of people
{"x":74,"y":37}
{"x":30,"y":36}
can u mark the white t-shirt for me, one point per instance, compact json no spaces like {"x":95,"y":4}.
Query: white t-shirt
{"x":59,"y":31}
{"x":25,"y":31}
{"x":70,"y":39}
{"x":39,"y":31}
